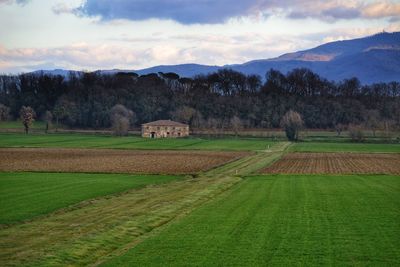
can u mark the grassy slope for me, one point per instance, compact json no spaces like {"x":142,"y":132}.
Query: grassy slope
{"x":130,"y":142}
{"x":26,"y":195}
{"x":284,"y":221}
{"x":345,"y":147}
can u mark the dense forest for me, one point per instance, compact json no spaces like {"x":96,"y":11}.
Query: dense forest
{"x":216,"y":100}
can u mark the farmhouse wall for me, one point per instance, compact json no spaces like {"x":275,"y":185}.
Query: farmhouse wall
{"x":165,"y":131}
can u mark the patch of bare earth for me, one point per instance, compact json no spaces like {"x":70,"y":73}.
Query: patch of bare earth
{"x":336,"y":163}
{"x":112,"y":161}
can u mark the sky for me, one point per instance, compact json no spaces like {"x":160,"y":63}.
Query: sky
{"x":135,"y":34}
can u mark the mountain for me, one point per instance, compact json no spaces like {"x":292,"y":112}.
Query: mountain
{"x":372,"y":59}
{"x":61,"y":72}
{"x":184,"y":70}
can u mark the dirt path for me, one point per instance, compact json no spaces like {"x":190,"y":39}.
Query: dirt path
{"x":93,"y":231}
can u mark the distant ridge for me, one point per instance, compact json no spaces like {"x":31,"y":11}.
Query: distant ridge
{"x":371,"y":59}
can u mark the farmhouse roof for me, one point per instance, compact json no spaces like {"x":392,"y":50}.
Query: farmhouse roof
{"x":164,"y":123}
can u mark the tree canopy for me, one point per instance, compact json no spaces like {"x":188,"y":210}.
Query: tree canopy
{"x":218,"y":99}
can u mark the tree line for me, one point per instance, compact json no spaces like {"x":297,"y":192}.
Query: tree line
{"x":224,"y":99}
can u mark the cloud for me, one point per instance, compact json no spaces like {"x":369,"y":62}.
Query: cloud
{"x":382,"y":9}
{"x":159,"y":49}
{"x":203,"y":49}
{"x":185,"y":12}
{"x":333,"y":10}
{"x":75,"y":56}
{"x":61,"y":8}
{"x":326,"y":10}
{"x":83,"y":56}
{"x":341,"y":13}
{"x":19,"y":2}
{"x":219,"y":11}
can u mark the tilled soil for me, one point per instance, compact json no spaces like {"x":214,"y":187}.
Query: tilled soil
{"x":336,"y":163}
{"x":112,"y":161}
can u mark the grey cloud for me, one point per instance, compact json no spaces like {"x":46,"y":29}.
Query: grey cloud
{"x":185,"y":12}
{"x":342,"y":13}
{"x":330,"y":14}
{"x":218,"y":11}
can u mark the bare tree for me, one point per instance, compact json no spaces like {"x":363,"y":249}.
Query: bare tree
{"x":236,"y":124}
{"x":27,"y":115}
{"x":356,"y":133}
{"x":388,"y":127}
{"x":121,"y":119}
{"x":372,"y":121}
{"x":292,"y":123}
{"x":212,"y":125}
{"x":184,"y":114}
{"x":339,"y":128}
{"x":121,"y":126}
{"x":48,"y":118}
{"x":4,"y":112}
{"x":60,"y":110}
{"x":197,"y":120}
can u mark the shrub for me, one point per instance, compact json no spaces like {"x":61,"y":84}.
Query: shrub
{"x":121,"y":126}
{"x":236,"y":124}
{"x":121,"y":119}
{"x":356,"y":133}
{"x":292,"y":123}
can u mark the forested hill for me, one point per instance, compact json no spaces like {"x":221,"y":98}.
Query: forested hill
{"x":371,"y":59}
{"x":221,"y":99}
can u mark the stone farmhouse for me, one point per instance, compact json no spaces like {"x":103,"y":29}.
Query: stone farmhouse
{"x":164,"y":129}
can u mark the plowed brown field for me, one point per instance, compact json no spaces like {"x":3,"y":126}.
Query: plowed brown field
{"x":112,"y":161}
{"x":336,"y":163}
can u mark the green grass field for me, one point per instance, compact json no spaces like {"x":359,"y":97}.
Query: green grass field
{"x":37,"y":125}
{"x":131,"y":142}
{"x":284,"y":221}
{"x":217,"y":219}
{"x":345,"y":147}
{"x":26,"y":195}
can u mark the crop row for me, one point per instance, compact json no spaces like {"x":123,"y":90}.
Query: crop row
{"x":112,"y":161}
{"x":336,"y":163}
